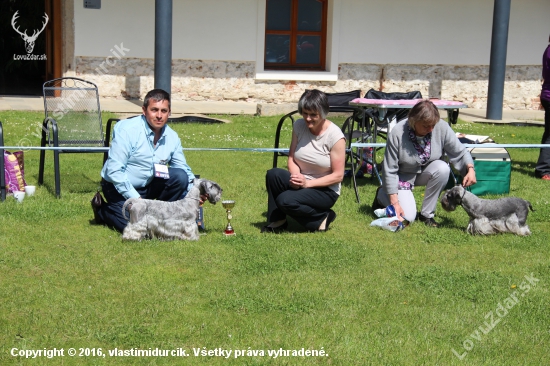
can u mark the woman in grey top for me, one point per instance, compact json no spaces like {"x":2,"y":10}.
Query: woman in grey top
{"x":311,"y":185}
{"x":414,"y":152}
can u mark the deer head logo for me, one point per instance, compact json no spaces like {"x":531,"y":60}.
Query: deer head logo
{"x":29,"y":40}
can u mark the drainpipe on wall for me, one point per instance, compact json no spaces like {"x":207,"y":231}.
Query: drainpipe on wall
{"x":497,"y":67}
{"x":163,"y":45}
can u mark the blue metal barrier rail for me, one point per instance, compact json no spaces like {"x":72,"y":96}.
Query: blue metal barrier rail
{"x":104,"y":149}
{"x":484,"y":145}
{"x":260,"y":149}
{"x":252,"y":149}
{"x":359,"y":145}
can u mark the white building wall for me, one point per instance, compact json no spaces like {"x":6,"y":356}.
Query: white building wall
{"x":215,"y":30}
{"x":202,"y":29}
{"x":529,"y":31}
{"x":98,"y":30}
{"x":417,"y":32}
{"x":440,"y":47}
{"x":374,"y":31}
{"x":439,"y":32}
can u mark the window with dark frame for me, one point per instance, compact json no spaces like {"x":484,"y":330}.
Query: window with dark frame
{"x":295,"y":35}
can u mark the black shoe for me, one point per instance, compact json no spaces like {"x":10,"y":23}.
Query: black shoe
{"x":330,"y":218}
{"x":97,"y":202}
{"x":274,"y":230}
{"x":429,"y":221}
{"x":375,"y":204}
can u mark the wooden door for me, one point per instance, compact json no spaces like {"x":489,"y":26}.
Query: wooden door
{"x":54,"y":49}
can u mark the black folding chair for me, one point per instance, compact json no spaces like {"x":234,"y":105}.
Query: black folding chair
{"x":338,"y":103}
{"x":378,"y":125}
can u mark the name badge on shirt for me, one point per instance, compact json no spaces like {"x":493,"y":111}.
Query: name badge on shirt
{"x":161,"y":171}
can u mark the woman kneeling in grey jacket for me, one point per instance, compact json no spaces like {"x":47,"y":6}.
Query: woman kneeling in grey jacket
{"x":414,"y":151}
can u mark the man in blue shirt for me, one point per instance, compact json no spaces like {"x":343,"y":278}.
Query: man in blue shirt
{"x":145,"y":160}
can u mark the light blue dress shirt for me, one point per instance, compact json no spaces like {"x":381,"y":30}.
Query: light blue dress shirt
{"x":132,"y":156}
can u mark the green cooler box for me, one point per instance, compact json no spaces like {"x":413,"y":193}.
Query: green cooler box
{"x":493,"y":169}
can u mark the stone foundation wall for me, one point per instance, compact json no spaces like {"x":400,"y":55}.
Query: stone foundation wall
{"x":196,"y":80}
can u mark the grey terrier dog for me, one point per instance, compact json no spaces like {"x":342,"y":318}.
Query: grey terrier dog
{"x":503,"y":215}
{"x":169,"y":220}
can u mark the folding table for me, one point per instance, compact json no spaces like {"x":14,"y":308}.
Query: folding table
{"x":370,"y":132}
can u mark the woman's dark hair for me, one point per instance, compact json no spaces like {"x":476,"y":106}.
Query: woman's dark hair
{"x":158,"y":95}
{"x":314,"y":100}
{"x":423,"y":111}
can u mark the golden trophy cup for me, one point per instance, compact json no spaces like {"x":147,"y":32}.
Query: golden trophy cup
{"x":228,"y":205}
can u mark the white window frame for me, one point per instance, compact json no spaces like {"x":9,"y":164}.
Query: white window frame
{"x":333,"y":34}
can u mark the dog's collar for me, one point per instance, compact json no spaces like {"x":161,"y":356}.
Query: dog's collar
{"x":463,"y":193}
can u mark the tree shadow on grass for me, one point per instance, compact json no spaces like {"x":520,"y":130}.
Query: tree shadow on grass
{"x":526,"y":168}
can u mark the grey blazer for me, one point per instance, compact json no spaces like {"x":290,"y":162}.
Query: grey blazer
{"x":401,"y":160}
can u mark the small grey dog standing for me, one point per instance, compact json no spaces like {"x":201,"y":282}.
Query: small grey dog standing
{"x":503,"y":215}
{"x":169,"y":220}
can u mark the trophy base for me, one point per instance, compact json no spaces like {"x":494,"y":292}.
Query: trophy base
{"x":229,"y":233}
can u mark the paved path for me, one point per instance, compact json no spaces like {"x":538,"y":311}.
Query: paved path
{"x":228,"y":107}
{"x":134,"y":106}
{"x":508,"y":116}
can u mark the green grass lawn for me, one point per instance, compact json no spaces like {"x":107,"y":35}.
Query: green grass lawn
{"x":360,"y":295}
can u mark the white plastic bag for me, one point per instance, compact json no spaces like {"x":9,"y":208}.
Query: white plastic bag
{"x":389,"y":223}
